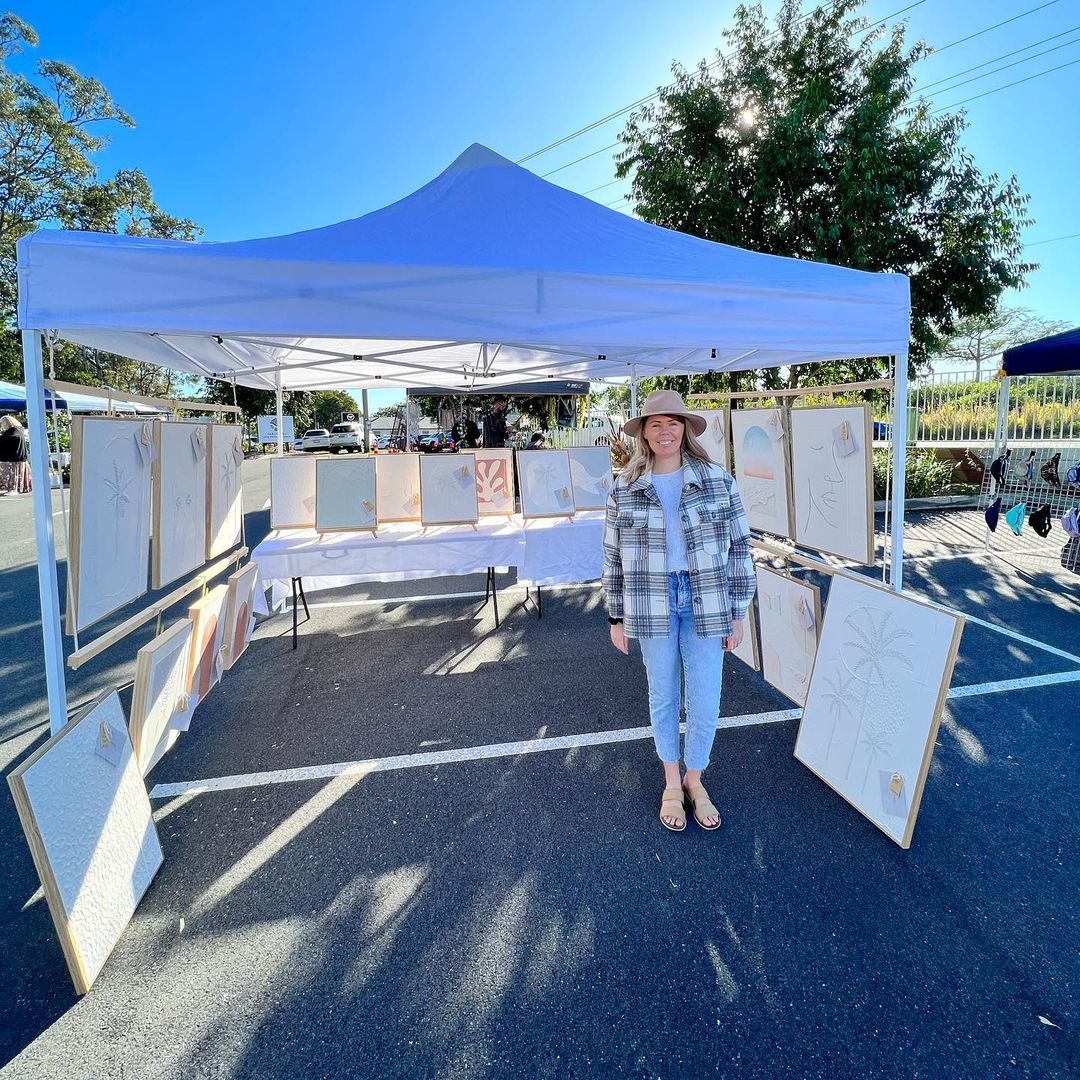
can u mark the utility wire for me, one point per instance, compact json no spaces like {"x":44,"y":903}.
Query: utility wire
{"x":1007,"y":86}
{"x":1004,"y":22}
{"x":1005,"y":67}
{"x":600,"y":187}
{"x":1052,"y":240}
{"x":580,"y":159}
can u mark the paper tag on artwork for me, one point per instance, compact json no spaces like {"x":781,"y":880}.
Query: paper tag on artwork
{"x":238,"y":451}
{"x":144,"y":443}
{"x":775,"y":425}
{"x":250,"y":627}
{"x":804,"y":615}
{"x":463,"y":476}
{"x":109,"y":744}
{"x":181,"y":718}
{"x":844,"y":440}
{"x":309,"y":503}
{"x":604,"y":484}
{"x":893,"y":796}
{"x":368,"y":505}
{"x":563,"y":497}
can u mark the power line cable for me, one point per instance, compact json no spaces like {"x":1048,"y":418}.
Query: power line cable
{"x":577,"y":161}
{"x":1003,"y":56}
{"x":1005,"y":67}
{"x":986,"y":30}
{"x":602,"y":186}
{"x":1007,"y":86}
{"x":1052,"y":240}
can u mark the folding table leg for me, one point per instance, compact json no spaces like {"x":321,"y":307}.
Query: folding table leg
{"x":298,"y":588}
{"x":494,"y":597}
{"x":294,"y":581}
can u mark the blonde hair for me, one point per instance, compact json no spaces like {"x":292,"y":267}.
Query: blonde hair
{"x":7,"y":423}
{"x":641,"y":459}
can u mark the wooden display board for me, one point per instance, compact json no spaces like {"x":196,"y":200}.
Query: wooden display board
{"x":761,"y":468}
{"x":397,"y":491}
{"x":207,"y":617}
{"x":715,"y":436}
{"x":590,"y":476}
{"x":832,"y":472}
{"x":883,"y":667}
{"x":495,"y":482}
{"x":160,"y":690}
{"x":546,"y":487}
{"x":448,"y":489}
{"x":239,"y":617}
{"x":84,"y":809}
{"x":109,"y":552}
{"x":345,"y":494}
{"x":292,"y":492}
{"x":180,"y":509}
{"x":225,"y":497}
{"x":790,"y":616}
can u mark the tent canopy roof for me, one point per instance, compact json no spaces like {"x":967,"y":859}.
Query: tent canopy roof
{"x":1058,"y":354}
{"x":486,"y":274}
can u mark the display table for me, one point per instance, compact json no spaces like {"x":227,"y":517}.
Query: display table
{"x":562,"y":551}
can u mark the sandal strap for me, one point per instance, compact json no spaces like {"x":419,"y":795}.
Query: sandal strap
{"x":702,"y":804}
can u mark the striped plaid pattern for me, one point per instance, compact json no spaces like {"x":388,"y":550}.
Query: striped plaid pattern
{"x":635,"y":579}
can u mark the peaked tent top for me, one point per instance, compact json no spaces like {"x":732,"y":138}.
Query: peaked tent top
{"x":485,"y":252}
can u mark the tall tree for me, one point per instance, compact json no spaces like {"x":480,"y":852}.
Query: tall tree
{"x":978,"y":339}
{"x":803,"y":139}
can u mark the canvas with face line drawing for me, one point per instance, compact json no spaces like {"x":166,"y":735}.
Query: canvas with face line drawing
{"x":832,"y":480}
{"x":179,"y":500}
{"x":110,"y":516}
{"x":448,"y":489}
{"x":546,"y":487}
{"x":883,"y":667}
{"x":495,"y":482}
{"x":225,"y":499}
{"x":747,"y":651}
{"x":83,"y":806}
{"x":345,"y":493}
{"x":790,"y":617}
{"x":161,"y":668}
{"x":590,"y":476}
{"x":292,"y":492}
{"x":397,"y":478}
{"x":714,"y":437}
{"x":761,"y":468}
{"x":206,"y":662}
{"x":239,"y":620}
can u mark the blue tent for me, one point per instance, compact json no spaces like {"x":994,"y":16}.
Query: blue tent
{"x":1055,"y":355}
{"x":13,"y":399}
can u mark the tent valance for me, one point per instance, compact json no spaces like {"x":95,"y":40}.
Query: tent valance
{"x":1058,"y":354}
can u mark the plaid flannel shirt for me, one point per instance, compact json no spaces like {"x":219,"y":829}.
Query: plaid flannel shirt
{"x":635,"y":578}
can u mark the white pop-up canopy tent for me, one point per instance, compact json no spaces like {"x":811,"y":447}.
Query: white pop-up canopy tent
{"x":486,"y":276}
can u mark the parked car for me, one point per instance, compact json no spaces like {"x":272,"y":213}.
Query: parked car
{"x":347,"y":437}
{"x":316,"y":438}
{"x":432,"y":444}
{"x":298,"y":443}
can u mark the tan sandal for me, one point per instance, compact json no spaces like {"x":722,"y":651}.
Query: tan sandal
{"x":673,"y":805}
{"x":702,"y":806}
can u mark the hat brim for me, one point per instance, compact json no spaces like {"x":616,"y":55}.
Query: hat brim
{"x":696,"y":424}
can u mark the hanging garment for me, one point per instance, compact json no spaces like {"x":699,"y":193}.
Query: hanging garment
{"x":1014,"y":518}
{"x":1049,"y":472}
{"x":993,"y":511}
{"x":1040,"y":520}
{"x":1029,"y":467}
{"x":1070,"y":555}
{"x":1071,"y":522}
{"x":1072,"y":474}
{"x":999,"y":468}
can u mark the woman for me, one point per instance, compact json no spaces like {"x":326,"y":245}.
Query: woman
{"x":678,"y":576}
{"x":14,"y":457}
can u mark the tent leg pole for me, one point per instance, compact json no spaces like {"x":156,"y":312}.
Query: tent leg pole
{"x":367,"y":423}
{"x":48,"y":591}
{"x":279,"y":402}
{"x":899,"y":450}
{"x":633,"y":389}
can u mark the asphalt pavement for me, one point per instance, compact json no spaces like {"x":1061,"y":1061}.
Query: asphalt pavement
{"x":508,"y":913}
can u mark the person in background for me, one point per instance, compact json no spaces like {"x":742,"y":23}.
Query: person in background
{"x":537,"y":441}
{"x":495,"y":425}
{"x":14,"y":457}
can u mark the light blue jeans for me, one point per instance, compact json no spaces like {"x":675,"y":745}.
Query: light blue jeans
{"x":700,"y":661}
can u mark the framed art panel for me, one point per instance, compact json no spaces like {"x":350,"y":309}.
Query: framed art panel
{"x":239,"y":617}
{"x":110,"y":516}
{"x":590,"y":476}
{"x":397,"y":487}
{"x":161,"y":669}
{"x":715,"y":436}
{"x":225,"y":498}
{"x":495,"y":482}
{"x":790,"y":618}
{"x":207,"y":617}
{"x":292,"y":492}
{"x":84,"y":809}
{"x":833,"y":480}
{"x":747,"y":651}
{"x":345,"y":493}
{"x":761,"y":468}
{"x":546,"y":487}
{"x":448,"y":489}
{"x":179,"y":500}
{"x":883,"y":667}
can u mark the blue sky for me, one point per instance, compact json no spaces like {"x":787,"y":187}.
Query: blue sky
{"x":258,"y":119}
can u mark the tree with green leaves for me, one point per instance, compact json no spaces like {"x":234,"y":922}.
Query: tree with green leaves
{"x":804,"y":139}
{"x":978,"y":339}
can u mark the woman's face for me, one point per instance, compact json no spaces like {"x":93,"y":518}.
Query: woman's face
{"x":664,"y":434}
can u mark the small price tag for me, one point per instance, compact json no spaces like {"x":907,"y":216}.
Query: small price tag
{"x":844,"y":440}
{"x":563,"y":497}
{"x":775,"y":425}
{"x":238,"y":451}
{"x":109,"y":744}
{"x":185,"y":709}
{"x":368,"y":505}
{"x":804,"y":613}
{"x":144,"y":443}
{"x":198,"y":442}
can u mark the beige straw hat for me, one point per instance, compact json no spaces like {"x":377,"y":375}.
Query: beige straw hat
{"x":665,"y":403}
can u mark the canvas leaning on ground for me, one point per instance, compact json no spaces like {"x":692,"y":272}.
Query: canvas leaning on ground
{"x":345,"y":495}
{"x":160,"y":691}
{"x":179,"y":500}
{"x":546,"y":487}
{"x":292,"y":492}
{"x":448,"y":489}
{"x":590,"y":476}
{"x":239,"y":613}
{"x":225,"y":517}
{"x":205,"y":664}
{"x":761,"y":448}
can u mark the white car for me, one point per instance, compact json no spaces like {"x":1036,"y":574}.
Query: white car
{"x":346,"y":437}
{"x":316,"y":438}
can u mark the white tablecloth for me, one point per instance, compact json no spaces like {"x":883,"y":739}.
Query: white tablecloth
{"x":561,"y":551}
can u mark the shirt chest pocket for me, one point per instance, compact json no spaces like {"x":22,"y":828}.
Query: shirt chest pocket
{"x":633,"y":526}
{"x":709,"y":527}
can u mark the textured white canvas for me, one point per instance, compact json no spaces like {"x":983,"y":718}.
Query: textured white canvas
{"x":747,"y":651}
{"x":397,"y":481}
{"x":883,"y":667}
{"x":292,"y":492}
{"x":495,"y":481}
{"x":546,"y":487}
{"x":111,"y":463}
{"x":239,"y":620}
{"x":225,"y":501}
{"x":590,"y":476}
{"x":761,"y":468}
{"x":345,"y":493}
{"x":161,"y":668}
{"x":95,"y":845}
{"x":790,"y":617}
{"x":179,"y":500}
{"x":714,"y":437}
{"x":832,"y":480}
{"x":448,"y":489}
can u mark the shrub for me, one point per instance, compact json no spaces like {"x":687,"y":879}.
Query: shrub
{"x":926,"y":475}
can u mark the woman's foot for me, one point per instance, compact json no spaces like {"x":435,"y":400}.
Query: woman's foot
{"x":705,"y":813}
{"x":673,"y":809}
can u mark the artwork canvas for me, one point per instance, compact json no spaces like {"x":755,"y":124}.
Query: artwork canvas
{"x":179,"y":500}
{"x":761,"y":468}
{"x":345,"y":493}
{"x":110,"y":516}
{"x":207,"y":617}
{"x":225,"y":498}
{"x":832,"y":480}
{"x":590,"y":476}
{"x":160,"y":691}
{"x":872,"y":711}
{"x":84,"y":809}
{"x":495,"y":482}
{"x":546,"y":487}
{"x":448,"y":489}
{"x":790,"y":614}
{"x":747,"y":651}
{"x":292,"y":492}
{"x":715,"y":436}
{"x":397,"y":487}
{"x":239,"y":608}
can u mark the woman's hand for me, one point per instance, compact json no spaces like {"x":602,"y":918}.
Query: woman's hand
{"x":734,"y":639}
{"x":618,"y":638}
